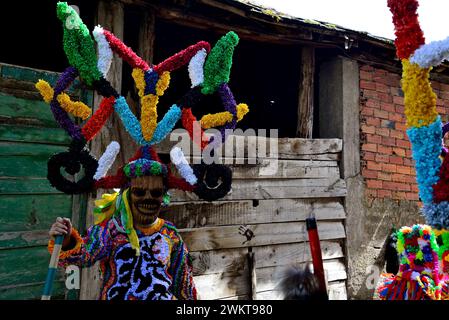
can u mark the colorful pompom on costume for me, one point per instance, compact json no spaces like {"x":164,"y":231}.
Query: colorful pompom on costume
{"x":423,"y":249}
{"x":144,"y":261}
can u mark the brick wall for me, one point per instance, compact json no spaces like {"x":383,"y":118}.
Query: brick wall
{"x":387,"y":164}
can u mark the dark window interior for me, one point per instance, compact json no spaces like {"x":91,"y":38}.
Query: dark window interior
{"x":265,"y":76}
{"x":32,"y":34}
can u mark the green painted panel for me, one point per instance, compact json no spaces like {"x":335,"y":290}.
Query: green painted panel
{"x":32,"y":291}
{"x":19,"y":109}
{"x":27,"y":186}
{"x":24,"y":166}
{"x":33,"y":75}
{"x":22,"y":239}
{"x":27,"y":265}
{"x":29,"y":149}
{"x":34,"y":134}
{"x":32,"y":212}
{"x":28,"y":74}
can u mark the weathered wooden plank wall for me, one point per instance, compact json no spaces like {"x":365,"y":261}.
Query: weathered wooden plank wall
{"x":274,"y":207}
{"x":28,"y":204}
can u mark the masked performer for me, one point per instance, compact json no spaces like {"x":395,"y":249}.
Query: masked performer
{"x":141,"y":255}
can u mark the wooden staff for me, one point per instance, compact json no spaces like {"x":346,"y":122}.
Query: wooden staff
{"x":315,"y":249}
{"x":52,"y":268}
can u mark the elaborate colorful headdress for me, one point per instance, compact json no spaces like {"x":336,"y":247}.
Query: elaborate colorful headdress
{"x":209,"y":71}
{"x":423,"y":249}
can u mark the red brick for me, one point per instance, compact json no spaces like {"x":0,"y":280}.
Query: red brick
{"x":368,"y":155}
{"x":394,"y":81}
{"x":373,"y":138}
{"x":372,"y":165}
{"x":435,"y":85}
{"x":397,"y":186}
{"x":373,"y":121}
{"x":444,"y":95}
{"x":400,"y":109}
{"x":384,"y":176}
{"x":403,"y":143}
{"x":383,"y":193}
{"x":396,"y":160}
{"x":444,"y":87}
{"x":381,"y":87}
{"x":380,"y":73}
{"x":366,"y":111}
{"x":369,"y":147}
{"x":382,"y":158}
{"x":400,"y":126}
{"x":373,"y":103}
{"x":394,"y":116}
{"x":365,"y":75}
{"x":408,"y":152}
{"x":399,"y":152}
{"x":408,"y":162}
{"x":385,"y":132}
{"x":440,"y":110}
{"x":369,"y":174}
{"x":374,"y":184}
{"x":397,"y":134}
{"x":379,"y":78}
{"x":368,"y":129}
{"x":411,"y":196}
{"x":385,"y":97}
{"x":403,"y":169}
{"x":381,"y":114}
{"x":367,"y":85}
{"x":389,"y":141}
{"x":366,"y":67}
{"x":384,"y":149}
{"x":398,"y":195}
{"x":414,"y":188}
{"x":370,"y":94}
{"x":398,"y":177}
{"x":387,"y":106}
{"x":388,"y":167}
{"x":398,"y":100}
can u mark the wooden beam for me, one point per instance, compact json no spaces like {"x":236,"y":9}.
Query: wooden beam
{"x":275,"y":189}
{"x":231,"y":261}
{"x":145,"y":47}
{"x":110,"y":15}
{"x":221,"y":213}
{"x":225,"y":237}
{"x":306,"y":93}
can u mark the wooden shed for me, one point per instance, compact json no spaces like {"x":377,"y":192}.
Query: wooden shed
{"x":275,"y":71}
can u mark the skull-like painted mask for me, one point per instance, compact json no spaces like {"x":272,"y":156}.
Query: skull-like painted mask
{"x":146,"y":196}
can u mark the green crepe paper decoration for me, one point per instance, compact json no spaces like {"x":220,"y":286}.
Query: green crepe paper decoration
{"x":78,"y":44}
{"x":219,"y":61}
{"x":444,"y":237}
{"x":155,"y":168}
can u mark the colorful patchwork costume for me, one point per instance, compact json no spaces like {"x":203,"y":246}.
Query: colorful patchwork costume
{"x":162,"y":271}
{"x":154,"y":264}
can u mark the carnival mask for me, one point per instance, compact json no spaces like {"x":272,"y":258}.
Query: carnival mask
{"x":146,"y":197}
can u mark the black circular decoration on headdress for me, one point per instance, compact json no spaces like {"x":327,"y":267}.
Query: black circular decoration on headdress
{"x":72,"y":161}
{"x":208,"y":186}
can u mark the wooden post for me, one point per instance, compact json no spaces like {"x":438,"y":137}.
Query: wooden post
{"x":146,"y":36}
{"x":252,"y":274}
{"x":306,"y":92}
{"x":110,"y":15}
